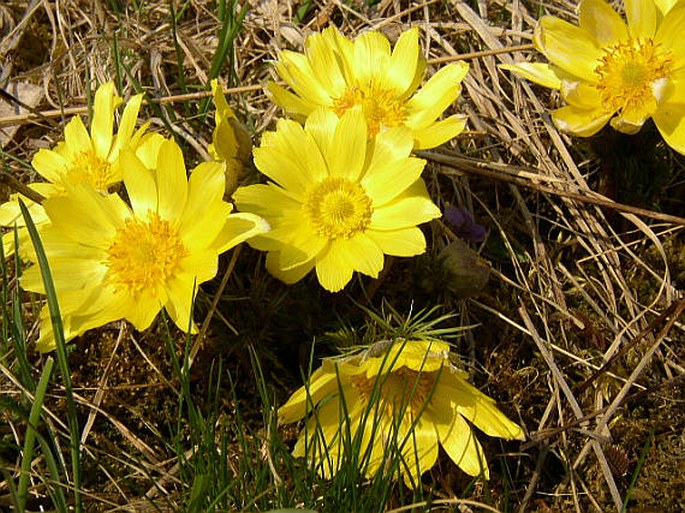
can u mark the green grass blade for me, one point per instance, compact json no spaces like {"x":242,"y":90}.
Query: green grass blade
{"x":177,"y":47}
{"x":30,"y":439}
{"x":229,"y":31}
{"x":638,"y":469}
{"x":62,"y":359}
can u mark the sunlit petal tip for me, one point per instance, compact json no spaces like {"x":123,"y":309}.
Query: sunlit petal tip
{"x":580,"y":122}
{"x":538,"y":72}
{"x":439,"y":132}
{"x":600,"y":20}
{"x":568,"y":46}
{"x":626,"y":126}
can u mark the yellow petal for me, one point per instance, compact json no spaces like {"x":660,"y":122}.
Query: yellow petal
{"x":238,"y":228}
{"x":321,"y":125}
{"x":75,"y":325}
{"x":360,"y":253}
{"x":76,"y":137}
{"x":420,"y":450}
{"x":76,"y":273}
{"x":172,"y":181}
{"x":294,"y":106}
{"x":476,"y":407}
{"x":405,"y":242}
{"x":670,"y":35}
{"x":102,"y":124}
{"x":390,"y":145}
{"x":568,"y":46}
{"x":290,"y":276}
{"x":439,"y":132}
{"x":664,"y":6}
{"x":441,"y":90}
{"x":10,"y":212}
{"x":139,"y":182}
{"x":50,"y":164}
{"x":333,"y":270}
{"x":581,"y":95}
{"x":600,"y":20}
{"x":86,"y":216}
{"x":629,"y":121}
{"x":302,"y":246}
{"x":206,"y":187}
{"x":371,"y":53}
{"x":412,"y":207}
{"x":321,"y":385}
{"x":127,"y":125}
{"x":349,"y":145}
{"x":670,"y":120}
{"x":401,"y":174}
{"x":400,"y":75}
{"x":324,"y":61}
{"x":147,"y":149}
{"x":143,"y":311}
{"x":225,"y":141}
{"x":180,"y":303}
{"x":290,"y":158}
{"x":641,"y":16}
{"x":580,"y":122}
{"x":460,"y":443}
{"x":267,"y":201}
{"x":222,"y":109}
{"x":296,"y":70}
{"x":538,"y":72}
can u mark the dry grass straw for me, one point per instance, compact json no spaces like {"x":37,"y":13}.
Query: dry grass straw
{"x":568,"y":283}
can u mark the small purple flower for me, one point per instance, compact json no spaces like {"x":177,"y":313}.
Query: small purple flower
{"x":463,"y":225}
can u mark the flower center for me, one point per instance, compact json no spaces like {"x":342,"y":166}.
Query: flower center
{"x":338,"y":208}
{"x":401,"y":388}
{"x":143,"y":255}
{"x":86,"y":167}
{"x":381,"y":107}
{"x":631,"y":74}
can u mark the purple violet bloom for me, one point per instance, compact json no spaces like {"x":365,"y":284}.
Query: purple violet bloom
{"x":463,"y":225}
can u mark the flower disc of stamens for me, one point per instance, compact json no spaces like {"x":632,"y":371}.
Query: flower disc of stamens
{"x":380,"y":106}
{"x":338,"y":208}
{"x":630,"y":74}
{"x":400,"y":389}
{"x":90,"y":169}
{"x":143,"y":255}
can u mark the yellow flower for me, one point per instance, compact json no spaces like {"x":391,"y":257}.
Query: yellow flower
{"x":338,"y":74}
{"x":231,"y":143}
{"x":401,"y":397}
{"x":338,"y":201}
{"x":610,"y":71}
{"x":82,"y":157}
{"x":113,"y":261}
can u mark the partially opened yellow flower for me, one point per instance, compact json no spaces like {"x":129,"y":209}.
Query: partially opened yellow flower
{"x":397,"y":398}
{"x":231,"y":143}
{"x":83,"y":157}
{"x":339,"y":74}
{"x":113,"y":261}
{"x":338,"y":201}
{"x":610,"y":71}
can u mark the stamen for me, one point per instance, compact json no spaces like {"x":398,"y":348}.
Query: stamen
{"x":338,"y":208}
{"x":629,"y":73}
{"x":90,"y":169}
{"x":401,"y":388}
{"x":381,"y":107}
{"x":143,"y":255}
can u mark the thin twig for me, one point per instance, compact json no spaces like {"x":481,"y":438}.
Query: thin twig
{"x":70,"y":111}
{"x":527,"y":177}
